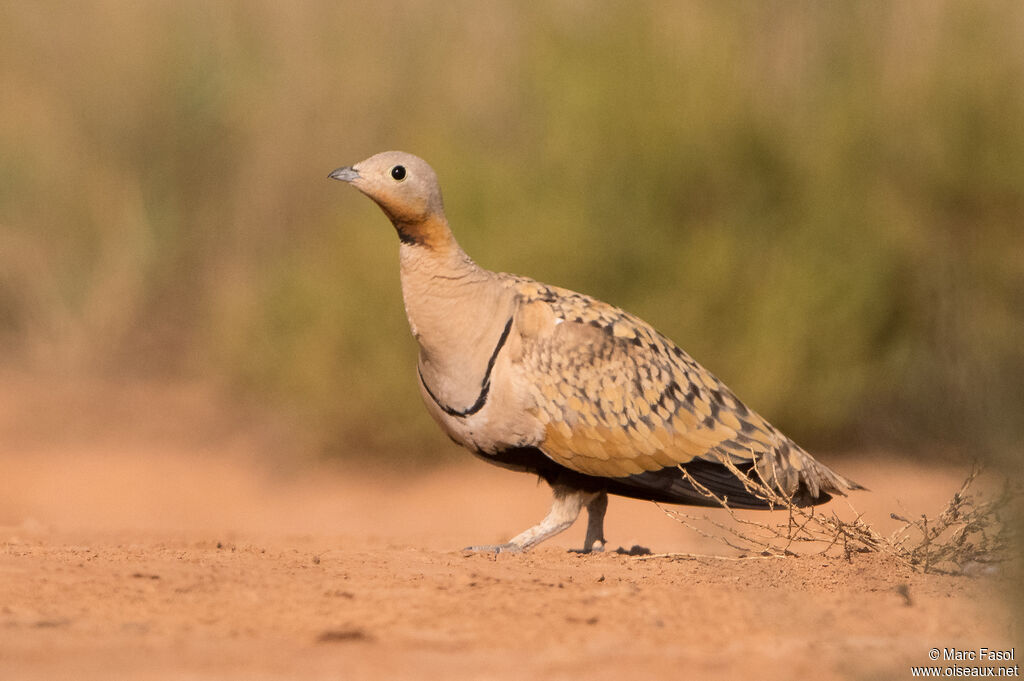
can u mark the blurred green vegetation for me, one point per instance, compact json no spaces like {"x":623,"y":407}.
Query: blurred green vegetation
{"x":822,"y":202}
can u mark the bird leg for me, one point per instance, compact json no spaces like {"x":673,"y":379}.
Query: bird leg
{"x":565,"y":508}
{"x":596,"y":507}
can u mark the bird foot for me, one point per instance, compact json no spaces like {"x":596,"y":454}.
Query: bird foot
{"x":596,"y":547}
{"x":507,"y":547}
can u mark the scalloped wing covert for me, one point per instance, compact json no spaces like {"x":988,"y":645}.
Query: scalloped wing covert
{"x":617,"y":398}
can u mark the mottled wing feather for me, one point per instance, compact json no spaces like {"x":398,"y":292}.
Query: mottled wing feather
{"x":619,"y":399}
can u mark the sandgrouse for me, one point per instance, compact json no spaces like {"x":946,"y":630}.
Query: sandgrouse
{"x":541,"y":379}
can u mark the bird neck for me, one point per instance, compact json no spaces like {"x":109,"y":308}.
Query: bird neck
{"x":452,"y":305}
{"x":431,"y":232}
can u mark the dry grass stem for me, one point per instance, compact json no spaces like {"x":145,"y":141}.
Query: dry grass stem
{"x":970,"y":533}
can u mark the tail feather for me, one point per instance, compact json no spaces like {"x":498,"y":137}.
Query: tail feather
{"x":669,"y":485}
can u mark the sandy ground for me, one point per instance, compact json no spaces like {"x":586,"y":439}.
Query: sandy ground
{"x":162,"y":547}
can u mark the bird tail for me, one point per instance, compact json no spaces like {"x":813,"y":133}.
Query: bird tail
{"x":798,"y":476}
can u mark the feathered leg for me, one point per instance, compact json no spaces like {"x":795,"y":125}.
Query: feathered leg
{"x":596,"y":508}
{"x":565,"y":508}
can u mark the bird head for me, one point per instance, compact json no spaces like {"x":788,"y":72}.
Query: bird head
{"x":403,"y":185}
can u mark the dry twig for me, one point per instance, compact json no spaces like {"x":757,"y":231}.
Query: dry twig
{"x":968,"y":531}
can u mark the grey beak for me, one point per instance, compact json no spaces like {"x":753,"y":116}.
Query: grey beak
{"x":346,"y":174}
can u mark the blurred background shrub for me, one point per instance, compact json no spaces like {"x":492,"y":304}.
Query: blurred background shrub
{"x":822,"y":202}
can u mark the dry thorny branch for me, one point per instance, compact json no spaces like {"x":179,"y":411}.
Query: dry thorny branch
{"x":971,"y":532}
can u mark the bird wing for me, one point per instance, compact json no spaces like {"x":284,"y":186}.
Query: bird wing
{"x":618,"y":399}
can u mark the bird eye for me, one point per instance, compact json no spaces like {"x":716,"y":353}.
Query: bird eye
{"x":398,"y":172}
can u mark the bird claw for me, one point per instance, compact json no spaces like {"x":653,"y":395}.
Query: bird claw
{"x":598,"y":547}
{"x":495,"y":548}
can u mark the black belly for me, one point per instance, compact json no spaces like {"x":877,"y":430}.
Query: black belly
{"x":666,"y":485}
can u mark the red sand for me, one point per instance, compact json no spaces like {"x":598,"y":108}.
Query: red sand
{"x":146,"y":551}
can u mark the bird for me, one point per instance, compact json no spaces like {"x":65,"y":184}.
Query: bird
{"x":590,"y":398}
